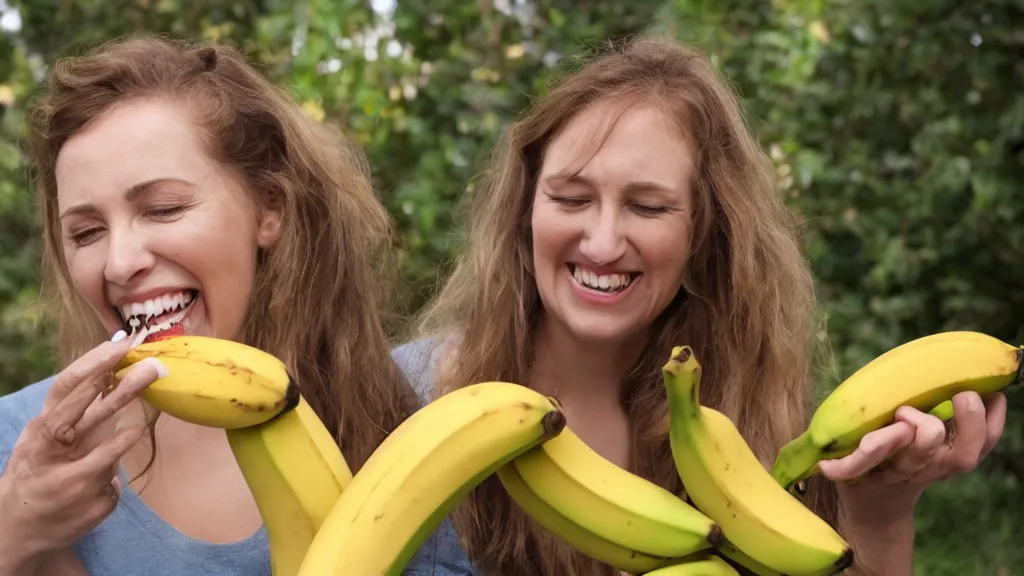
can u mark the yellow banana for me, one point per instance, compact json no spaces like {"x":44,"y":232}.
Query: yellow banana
{"x":414,"y":478}
{"x":924,"y":373}
{"x":725,"y":480}
{"x":730,"y":551}
{"x":603,"y":510}
{"x":214,"y":382}
{"x":296,"y":473}
{"x":576,"y":536}
{"x":709,"y":566}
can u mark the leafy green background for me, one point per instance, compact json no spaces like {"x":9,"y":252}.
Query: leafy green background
{"x":897,"y":130}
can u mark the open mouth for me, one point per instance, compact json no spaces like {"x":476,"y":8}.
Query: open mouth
{"x":156,"y":318}
{"x":606,"y":283}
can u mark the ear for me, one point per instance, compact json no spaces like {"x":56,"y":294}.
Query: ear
{"x":269,"y":229}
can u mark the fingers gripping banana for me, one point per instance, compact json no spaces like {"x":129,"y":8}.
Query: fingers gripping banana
{"x":708,"y":566}
{"x":214,"y":382}
{"x":414,"y":478}
{"x":568,"y":531}
{"x":725,"y":480}
{"x":613,"y":503}
{"x":296,"y":473}
{"x":924,"y":373}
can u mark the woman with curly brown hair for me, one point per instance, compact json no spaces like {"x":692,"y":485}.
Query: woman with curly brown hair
{"x":631,"y":210}
{"x":182,"y":192}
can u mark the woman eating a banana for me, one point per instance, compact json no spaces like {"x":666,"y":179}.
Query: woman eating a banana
{"x":183,"y":193}
{"x":630,"y":211}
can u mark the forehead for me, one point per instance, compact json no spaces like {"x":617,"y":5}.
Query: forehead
{"x":132,"y":142}
{"x":633,"y":137}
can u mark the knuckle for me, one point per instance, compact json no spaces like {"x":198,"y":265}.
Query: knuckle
{"x":936,"y":433}
{"x":65,"y":381}
{"x":60,"y":433}
{"x":961,"y":463}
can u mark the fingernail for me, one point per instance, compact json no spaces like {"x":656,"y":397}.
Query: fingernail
{"x":161,"y":370}
{"x":118,"y":336}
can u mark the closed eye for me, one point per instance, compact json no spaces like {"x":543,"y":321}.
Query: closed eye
{"x":166,"y":212}
{"x":85,"y":237}
{"x":650,"y":210}
{"x":567,"y":200}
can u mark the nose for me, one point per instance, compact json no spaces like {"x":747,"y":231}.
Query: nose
{"x":127,"y":257}
{"x":603,"y":240}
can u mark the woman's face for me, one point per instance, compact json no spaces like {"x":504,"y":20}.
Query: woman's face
{"x":158,"y":237}
{"x":610,"y":244}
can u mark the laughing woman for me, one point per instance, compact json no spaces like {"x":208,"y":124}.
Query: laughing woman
{"x":629,"y":211}
{"x":179,"y":185}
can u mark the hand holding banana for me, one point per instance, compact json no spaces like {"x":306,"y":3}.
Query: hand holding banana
{"x":876,"y":418}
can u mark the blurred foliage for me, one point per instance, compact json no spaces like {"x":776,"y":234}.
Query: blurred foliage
{"x":897,"y":131}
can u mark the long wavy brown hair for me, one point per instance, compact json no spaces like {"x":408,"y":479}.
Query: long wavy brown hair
{"x":320,"y":290}
{"x":746,"y":307}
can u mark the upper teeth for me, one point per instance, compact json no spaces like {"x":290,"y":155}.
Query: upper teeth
{"x":601,"y":281}
{"x":155,"y":306}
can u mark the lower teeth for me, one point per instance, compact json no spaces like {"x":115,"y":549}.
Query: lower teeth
{"x":141,"y":332}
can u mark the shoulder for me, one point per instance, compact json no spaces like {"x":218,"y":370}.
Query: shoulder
{"x":27,"y":400}
{"x":421,"y":360}
{"x":441,"y":554}
{"x":417,"y":360}
{"x":16,"y":409}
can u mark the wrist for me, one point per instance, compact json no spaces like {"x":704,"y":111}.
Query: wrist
{"x":882,"y":536}
{"x":877,"y":512}
{"x":14,"y":562}
{"x":16,"y":557}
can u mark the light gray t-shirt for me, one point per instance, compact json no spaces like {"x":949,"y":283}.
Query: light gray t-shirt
{"x":442,"y":553}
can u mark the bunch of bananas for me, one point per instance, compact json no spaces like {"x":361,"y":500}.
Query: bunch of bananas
{"x":736,"y":515}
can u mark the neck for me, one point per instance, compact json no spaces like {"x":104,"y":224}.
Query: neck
{"x":175,"y":439}
{"x":575,"y":370}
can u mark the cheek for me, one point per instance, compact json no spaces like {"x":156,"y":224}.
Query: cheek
{"x":666,"y":249}
{"x":552,"y":237}
{"x":214,"y":243}
{"x":85,"y":269}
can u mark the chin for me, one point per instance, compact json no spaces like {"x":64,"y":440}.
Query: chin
{"x":602,"y":332}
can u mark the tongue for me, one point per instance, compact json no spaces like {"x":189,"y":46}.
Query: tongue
{"x":176,"y":330}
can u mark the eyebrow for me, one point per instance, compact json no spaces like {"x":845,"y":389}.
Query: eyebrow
{"x":635,"y":186}
{"x":132,"y":194}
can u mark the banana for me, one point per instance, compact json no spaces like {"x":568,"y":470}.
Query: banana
{"x":735,"y":555}
{"x":725,"y":480}
{"x":296,"y":473}
{"x":214,"y":382}
{"x":576,"y":536}
{"x":602,"y":510}
{"x":709,"y":566}
{"x":943,"y":412}
{"x":924,"y":373}
{"x":420,"y":471}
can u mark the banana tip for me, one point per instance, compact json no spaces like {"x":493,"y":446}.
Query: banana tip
{"x":291,"y":395}
{"x":553,"y":423}
{"x":681,"y":354}
{"x":845,"y":561}
{"x":799,"y":488}
{"x":716,"y":537}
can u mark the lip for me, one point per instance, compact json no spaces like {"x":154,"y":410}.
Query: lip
{"x":595,"y":297}
{"x":148,"y":295}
